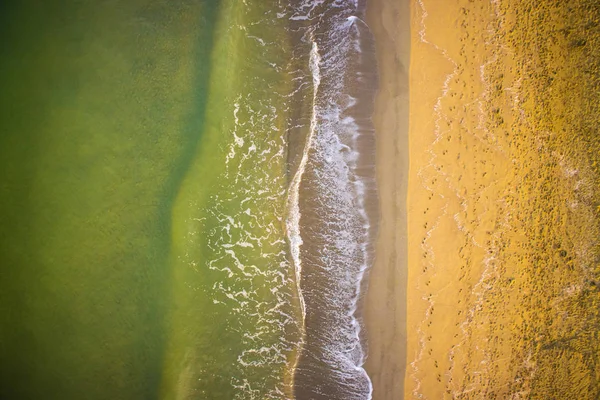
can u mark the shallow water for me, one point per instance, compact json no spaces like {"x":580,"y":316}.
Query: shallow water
{"x":186,"y":199}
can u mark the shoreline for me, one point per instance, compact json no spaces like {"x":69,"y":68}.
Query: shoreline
{"x":385,"y":302}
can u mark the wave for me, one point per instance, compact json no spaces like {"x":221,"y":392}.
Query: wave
{"x":333,"y":199}
{"x":293,"y":220}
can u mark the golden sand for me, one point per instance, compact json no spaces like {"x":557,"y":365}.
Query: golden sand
{"x":503,"y":259}
{"x":502,"y":208}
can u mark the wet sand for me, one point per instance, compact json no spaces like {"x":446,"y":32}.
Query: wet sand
{"x":385,"y":314}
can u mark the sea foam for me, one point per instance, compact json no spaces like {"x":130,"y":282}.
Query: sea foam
{"x":332,"y":194}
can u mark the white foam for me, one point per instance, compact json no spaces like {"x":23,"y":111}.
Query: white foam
{"x":293,"y":221}
{"x":340,"y":195}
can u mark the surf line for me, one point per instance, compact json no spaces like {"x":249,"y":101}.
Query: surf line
{"x":293,"y":201}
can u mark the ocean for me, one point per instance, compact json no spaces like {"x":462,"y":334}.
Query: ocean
{"x":188,"y":204}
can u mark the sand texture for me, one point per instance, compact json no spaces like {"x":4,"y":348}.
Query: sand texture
{"x":385,"y":315}
{"x":503,"y":255}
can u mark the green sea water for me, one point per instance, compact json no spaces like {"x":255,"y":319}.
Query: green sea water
{"x":231,"y":278}
{"x":142,"y":253}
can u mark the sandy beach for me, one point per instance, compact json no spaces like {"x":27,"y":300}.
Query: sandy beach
{"x":502,"y":226}
{"x":486,"y":265}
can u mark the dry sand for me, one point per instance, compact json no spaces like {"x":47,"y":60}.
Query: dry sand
{"x":503,"y":267}
{"x":502,"y":220}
